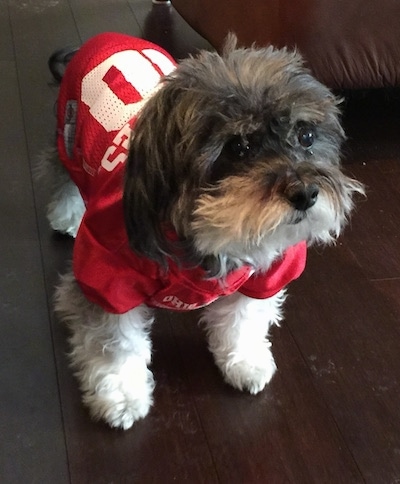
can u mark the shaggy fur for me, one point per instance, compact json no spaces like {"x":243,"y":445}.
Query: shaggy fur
{"x":240,"y":155}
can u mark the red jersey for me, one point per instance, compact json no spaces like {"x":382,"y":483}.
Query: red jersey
{"x":104,"y":87}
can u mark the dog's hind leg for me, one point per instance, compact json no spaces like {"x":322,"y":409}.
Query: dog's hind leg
{"x":110,"y":354}
{"x":66,"y":207}
{"x":237,"y":329}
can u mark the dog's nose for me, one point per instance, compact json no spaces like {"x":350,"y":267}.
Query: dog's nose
{"x":303,"y":197}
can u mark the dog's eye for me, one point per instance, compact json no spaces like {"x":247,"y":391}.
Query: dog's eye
{"x":239,"y":147}
{"x":306,"y":136}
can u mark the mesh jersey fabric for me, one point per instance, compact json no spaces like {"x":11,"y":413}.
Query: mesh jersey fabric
{"x":103,"y":89}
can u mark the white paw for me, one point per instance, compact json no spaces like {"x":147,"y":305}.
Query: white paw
{"x":66,"y":210}
{"x":250,"y":372}
{"x":121,"y":400}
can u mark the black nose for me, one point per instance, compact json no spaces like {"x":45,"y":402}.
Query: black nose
{"x":303,"y":197}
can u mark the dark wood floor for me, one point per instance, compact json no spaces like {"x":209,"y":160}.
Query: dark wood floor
{"x":330,"y":415}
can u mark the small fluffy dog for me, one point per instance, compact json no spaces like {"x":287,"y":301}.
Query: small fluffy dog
{"x":184,"y":186}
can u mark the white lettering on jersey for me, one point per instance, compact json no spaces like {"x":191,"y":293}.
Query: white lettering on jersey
{"x":177,"y":303}
{"x":118,"y":151}
{"x":104,"y":105}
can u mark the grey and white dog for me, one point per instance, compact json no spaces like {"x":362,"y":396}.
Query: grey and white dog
{"x":238,"y":157}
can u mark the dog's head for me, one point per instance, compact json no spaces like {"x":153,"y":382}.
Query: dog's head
{"x":240,"y":155}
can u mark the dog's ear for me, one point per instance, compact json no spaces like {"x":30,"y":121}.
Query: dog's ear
{"x":150,"y":177}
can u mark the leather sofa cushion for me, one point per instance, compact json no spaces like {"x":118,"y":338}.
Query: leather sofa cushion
{"x":346,"y":43}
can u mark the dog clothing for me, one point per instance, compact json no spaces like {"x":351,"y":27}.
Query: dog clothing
{"x":105,"y":85}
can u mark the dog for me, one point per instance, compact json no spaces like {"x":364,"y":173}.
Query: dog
{"x":186,"y":186}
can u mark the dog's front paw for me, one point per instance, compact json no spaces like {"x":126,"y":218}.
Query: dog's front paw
{"x":249,"y":372}
{"x":120,"y":399}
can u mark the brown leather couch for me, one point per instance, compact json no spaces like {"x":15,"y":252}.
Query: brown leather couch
{"x":347,"y":43}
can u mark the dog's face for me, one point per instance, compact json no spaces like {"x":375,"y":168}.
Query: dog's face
{"x":239,"y":154}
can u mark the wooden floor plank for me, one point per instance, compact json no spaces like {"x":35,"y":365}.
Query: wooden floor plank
{"x":349,"y":335}
{"x":32,"y":439}
{"x":284,"y":434}
{"x":93,"y":17}
{"x":6,"y":43}
{"x":39,"y":28}
{"x":371,"y":242}
{"x":372,"y":156}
